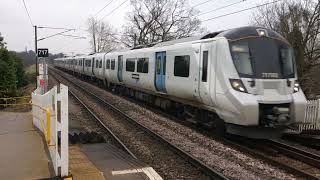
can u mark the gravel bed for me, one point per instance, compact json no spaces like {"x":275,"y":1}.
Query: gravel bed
{"x":81,"y":121}
{"x":232,"y":163}
{"x":168,"y":164}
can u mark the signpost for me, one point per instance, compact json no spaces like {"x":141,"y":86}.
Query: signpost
{"x":43,"y":52}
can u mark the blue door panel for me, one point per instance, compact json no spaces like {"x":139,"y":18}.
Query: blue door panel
{"x":160,"y":73}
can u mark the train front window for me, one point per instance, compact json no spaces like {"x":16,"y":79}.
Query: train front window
{"x":241,"y":58}
{"x":262,"y":58}
{"x":286,"y":56}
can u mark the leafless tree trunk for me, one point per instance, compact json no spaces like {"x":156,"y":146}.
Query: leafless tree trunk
{"x":298,"y":21}
{"x":159,"y":20}
{"x":103,"y":36}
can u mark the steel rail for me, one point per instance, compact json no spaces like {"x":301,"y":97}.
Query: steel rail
{"x":98,"y":119}
{"x":296,"y":153}
{"x":233,"y":142}
{"x":187,"y":156}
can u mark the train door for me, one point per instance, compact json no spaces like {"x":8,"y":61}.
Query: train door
{"x":206,"y":81}
{"x":120,"y":68}
{"x":82,"y":63}
{"x":160,"y":71}
{"x":92,"y":67}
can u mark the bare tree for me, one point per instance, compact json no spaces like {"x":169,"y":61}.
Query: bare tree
{"x":159,"y":20}
{"x":298,"y":21}
{"x":103,"y":36}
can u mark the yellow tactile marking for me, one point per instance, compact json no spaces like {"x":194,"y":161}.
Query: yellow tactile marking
{"x":81,"y":167}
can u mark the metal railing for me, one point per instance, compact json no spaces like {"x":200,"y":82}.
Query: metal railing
{"x":15,"y":101}
{"x":312,"y":116}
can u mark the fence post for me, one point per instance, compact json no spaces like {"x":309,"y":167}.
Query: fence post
{"x":63,"y":97}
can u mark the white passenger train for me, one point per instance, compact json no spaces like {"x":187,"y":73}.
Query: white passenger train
{"x":243,"y":81}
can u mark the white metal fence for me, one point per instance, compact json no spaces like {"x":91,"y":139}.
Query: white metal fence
{"x":312,"y":116}
{"x":50,"y":116}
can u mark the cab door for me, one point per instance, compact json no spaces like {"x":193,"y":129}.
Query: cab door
{"x":207,"y":74}
{"x":160,"y":71}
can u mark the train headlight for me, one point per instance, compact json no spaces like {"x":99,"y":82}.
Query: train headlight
{"x":238,"y":85}
{"x":296,"y":87}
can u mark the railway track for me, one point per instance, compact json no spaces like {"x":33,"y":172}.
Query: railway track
{"x":311,"y":140}
{"x":288,"y":157}
{"x":209,"y":171}
{"x":294,"y":152}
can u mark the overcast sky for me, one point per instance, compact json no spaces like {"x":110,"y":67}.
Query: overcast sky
{"x":16,"y":28}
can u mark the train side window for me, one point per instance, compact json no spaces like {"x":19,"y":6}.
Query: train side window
{"x":97,"y":63}
{"x":158,"y":64}
{"x":108,"y":64}
{"x":130,"y":64}
{"x":181,"y":66}
{"x":100,"y":65}
{"x":143,"y":65}
{"x":113,"y":64}
{"x":205,"y":57}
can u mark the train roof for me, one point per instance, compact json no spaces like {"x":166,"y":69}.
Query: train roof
{"x":230,"y":34}
{"x":250,"y":31}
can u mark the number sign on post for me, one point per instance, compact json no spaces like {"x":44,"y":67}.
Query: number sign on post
{"x":43,"y":53}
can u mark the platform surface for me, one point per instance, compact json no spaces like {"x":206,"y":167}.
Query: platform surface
{"x":117,"y":165}
{"x":23,"y":154}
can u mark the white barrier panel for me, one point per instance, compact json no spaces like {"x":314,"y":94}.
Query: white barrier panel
{"x":50,"y":115}
{"x":312,"y":116}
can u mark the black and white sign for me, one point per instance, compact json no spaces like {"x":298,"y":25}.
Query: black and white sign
{"x":43,"y":53}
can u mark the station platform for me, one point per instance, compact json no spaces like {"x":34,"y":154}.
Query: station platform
{"x":24,"y":155}
{"x":23,"y":150}
{"x":104,"y":161}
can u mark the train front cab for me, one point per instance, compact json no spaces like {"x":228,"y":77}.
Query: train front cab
{"x":257,"y":91}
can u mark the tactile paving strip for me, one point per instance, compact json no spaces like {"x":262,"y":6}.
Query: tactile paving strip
{"x":81,"y":167}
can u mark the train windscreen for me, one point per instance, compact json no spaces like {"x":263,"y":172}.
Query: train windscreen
{"x":263,"y":58}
